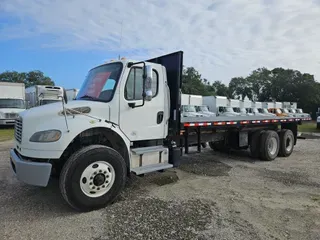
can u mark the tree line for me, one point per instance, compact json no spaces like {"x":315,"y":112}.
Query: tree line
{"x":31,"y":78}
{"x":262,"y":84}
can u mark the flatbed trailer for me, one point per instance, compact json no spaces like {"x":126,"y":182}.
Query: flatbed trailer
{"x":198,"y":131}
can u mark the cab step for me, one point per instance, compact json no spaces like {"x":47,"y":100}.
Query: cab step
{"x":151,"y":168}
{"x":151,"y":149}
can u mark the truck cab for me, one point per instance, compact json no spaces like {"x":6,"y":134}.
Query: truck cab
{"x":12,"y":102}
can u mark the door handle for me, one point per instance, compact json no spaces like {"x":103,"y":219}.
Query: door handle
{"x":159,"y":117}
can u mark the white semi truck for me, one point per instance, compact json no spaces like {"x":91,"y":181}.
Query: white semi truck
{"x":126,"y":119}
{"x":188,"y":109}
{"x":39,"y":95}
{"x":11,"y":102}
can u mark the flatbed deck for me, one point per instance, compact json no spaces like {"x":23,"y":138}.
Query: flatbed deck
{"x":237,"y":120}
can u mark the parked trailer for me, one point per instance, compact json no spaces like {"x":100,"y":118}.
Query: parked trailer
{"x":96,"y":141}
{"x":11,"y":102}
{"x":39,"y":95}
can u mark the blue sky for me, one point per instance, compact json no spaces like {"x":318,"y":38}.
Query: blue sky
{"x":220,"y":38}
{"x":67,"y":68}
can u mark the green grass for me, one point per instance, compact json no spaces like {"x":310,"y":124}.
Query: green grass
{"x":308,"y":127}
{"x":6,"y":134}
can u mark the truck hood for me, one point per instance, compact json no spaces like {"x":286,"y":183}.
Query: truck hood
{"x":41,"y":113}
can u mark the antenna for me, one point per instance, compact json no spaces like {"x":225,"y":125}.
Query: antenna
{"x":120,"y":37}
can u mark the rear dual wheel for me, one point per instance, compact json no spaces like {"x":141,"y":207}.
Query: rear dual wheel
{"x":267,"y":145}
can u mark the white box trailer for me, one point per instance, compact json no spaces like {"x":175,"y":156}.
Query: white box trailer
{"x":12,"y":102}
{"x":38,"y":95}
{"x":215,"y":102}
{"x":195,"y":100}
{"x":219,"y":105}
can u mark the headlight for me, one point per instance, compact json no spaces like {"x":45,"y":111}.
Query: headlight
{"x":46,"y":136}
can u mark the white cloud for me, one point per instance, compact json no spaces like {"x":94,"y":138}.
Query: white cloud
{"x":221,"y":38}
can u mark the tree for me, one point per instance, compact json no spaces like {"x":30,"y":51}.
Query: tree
{"x":35,"y":77}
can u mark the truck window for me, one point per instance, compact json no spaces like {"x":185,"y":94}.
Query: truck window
{"x":100,"y":83}
{"x":133,"y":88}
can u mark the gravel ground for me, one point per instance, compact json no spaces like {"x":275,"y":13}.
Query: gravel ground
{"x":211,"y":196}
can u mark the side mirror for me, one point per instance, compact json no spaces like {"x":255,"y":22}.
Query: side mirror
{"x":148,"y":82}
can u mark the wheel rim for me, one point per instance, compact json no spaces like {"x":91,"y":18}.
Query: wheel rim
{"x":97,"y":179}
{"x":289,"y":143}
{"x":272,"y":146}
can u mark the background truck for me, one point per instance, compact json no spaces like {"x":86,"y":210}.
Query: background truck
{"x":114,"y":128}
{"x":219,"y":105}
{"x":38,"y":95}
{"x":197,"y":102}
{"x":245,"y":105}
{"x":11,"y":102}
{"x":72,"y":93}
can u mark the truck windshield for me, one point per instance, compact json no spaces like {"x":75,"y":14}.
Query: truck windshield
{"x":189,"y":108}
{"x":203,"y":108}
{"x":243,"y":110}
{"x":278,"y":111}
{"x":12,"y":103}
{"x":292,"y":110}
{"x":264,"y":110}
{"x":100,"y":83}
{"x":284,"y":110}
{"x":229,"y":109}
{"x":47,"y":101}
{"x":299,"y":110}
{"x":255,"y":110}
{"x":236,"y":109}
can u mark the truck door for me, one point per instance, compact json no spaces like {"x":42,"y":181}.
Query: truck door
{"x":146,"y":122}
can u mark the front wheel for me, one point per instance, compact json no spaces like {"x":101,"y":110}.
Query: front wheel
{"x":92,"y":177}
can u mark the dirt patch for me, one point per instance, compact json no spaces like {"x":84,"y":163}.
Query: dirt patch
{"x":167,"y":219}
{"x":288,"y":178}
{"x":204,"y":164}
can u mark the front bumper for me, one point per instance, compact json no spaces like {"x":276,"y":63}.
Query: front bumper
{"x":32,"y":173}
{"x":7,"y":122}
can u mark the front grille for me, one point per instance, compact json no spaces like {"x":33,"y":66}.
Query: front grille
{"x":11,"y":115}
{"x":18,"y":129}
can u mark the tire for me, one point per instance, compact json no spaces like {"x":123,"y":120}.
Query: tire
{"x":286,"y":143}
{"x":204,"y":144}
{"x":108,"y":180}
{"x":218,"y":146}
{"x":255,"y":144}
{"x":269,"y":145}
